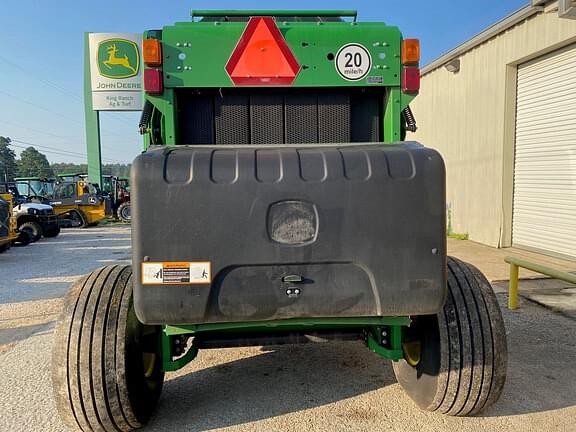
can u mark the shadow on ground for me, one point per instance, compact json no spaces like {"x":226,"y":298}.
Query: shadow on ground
{"x":541,"y":377}
{"x":272,"y":383}
{"x":541,"y":361}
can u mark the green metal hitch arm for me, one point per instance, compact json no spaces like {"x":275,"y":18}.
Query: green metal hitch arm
{"x":378,"y":329}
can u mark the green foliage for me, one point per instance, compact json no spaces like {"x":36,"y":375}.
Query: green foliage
{"x":32,"y":163}
{"x":458,"y":236}
{"x":121,"y":170}
{"x":7,"y":160}
{"x":449,"y":232}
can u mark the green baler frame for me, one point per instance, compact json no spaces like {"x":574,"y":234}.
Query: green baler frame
{"x":186,"y":63}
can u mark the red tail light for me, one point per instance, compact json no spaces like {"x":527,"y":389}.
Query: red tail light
{"x":411,"y":80}
{"x":153,"y":83}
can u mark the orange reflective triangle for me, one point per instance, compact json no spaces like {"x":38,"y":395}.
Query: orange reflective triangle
{"x":262,"y":56}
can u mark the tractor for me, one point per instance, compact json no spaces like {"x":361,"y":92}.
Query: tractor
{"x":6,"y":235}
{"x":120,"y":193}
{"x":76,"y":203}
{"x":9,"y":233}
{"x":278,"y":202}
{"x":117,"y":188}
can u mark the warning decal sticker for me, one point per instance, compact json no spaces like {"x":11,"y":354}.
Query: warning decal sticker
{"x":176,"y":273}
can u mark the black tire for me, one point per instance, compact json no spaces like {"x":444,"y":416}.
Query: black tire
{"x":98,"y":371}
{"x":4,"y":247}
{"x":34,"y":229}
{"x":461,"y":367}
{"x":23,"y":239}
{"x":78,"y":219}
{"x":124,"y":212}
{"x":52,"y":231}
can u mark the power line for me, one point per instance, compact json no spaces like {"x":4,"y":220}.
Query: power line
{"x":48,"y":147}
{"x":52,"y":152}
{"x":59,"y":136}
{"x":64,"y":137}
{"x":42,"y":80}
{"x":40,"y":107}
{"x":48,"y":110}
{"x":52,"y":84}
{"x":58,"y":151}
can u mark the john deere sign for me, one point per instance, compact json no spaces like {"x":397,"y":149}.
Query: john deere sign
{"x":116,"y":73}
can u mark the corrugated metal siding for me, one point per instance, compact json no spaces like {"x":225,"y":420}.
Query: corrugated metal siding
{"x":545,"y":157}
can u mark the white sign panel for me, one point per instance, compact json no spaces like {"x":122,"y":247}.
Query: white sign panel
{"x":353,"y":62}
{"x":116,"y":71}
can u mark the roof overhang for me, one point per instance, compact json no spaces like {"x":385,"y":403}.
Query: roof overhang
{"x":492,"y":31}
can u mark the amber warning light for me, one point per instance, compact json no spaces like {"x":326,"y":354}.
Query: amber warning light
{"x":262,"y":56}
{"x":410,"y":51}
{"x":152,"y":52}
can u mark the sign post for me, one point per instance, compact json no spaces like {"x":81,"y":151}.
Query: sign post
{"x":112,"y":82}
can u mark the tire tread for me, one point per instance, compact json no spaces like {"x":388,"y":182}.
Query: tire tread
{"x":90,"y":393}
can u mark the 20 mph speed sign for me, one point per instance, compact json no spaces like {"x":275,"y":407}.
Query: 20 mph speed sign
{"x":353,"y":62}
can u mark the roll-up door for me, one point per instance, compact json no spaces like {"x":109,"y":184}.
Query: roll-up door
{"x":545,"y":154}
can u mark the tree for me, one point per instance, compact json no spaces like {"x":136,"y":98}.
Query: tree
{"x":121,"y":170}
{"x":7,"y":160}
{"x":32,"y":163}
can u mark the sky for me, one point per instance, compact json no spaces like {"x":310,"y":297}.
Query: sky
{"x":41,"y":57}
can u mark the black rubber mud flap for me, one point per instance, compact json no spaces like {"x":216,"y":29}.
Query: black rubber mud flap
{"x":461,"y":365}
{"x":106,"y":374}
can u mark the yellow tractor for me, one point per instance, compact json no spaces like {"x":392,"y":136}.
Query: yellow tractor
{"x":8,"y":233}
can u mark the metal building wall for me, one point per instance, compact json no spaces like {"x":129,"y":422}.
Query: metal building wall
{"x":470,"y":118}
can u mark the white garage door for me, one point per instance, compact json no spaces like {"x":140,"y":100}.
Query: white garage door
{"x":545,"y":161}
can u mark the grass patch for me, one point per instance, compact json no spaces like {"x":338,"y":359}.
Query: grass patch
{"x":457,"y":236}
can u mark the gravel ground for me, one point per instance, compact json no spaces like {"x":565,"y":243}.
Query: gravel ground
{"x":322,"y":387}
{"x":45,"y":269}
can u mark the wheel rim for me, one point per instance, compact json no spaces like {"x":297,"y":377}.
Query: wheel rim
{"x":148,"y":362}
{"x":149,"y":343}
{"x":412,"y":352}
{"x":126,"y":213}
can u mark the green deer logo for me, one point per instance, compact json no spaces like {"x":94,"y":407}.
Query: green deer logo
{"x":118,"y":58}
{"x":113,"y":60}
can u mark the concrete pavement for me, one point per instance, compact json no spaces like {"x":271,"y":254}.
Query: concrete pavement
{"x":319,"y":387}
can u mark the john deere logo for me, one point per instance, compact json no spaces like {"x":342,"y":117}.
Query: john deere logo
{"x":118,"y":58}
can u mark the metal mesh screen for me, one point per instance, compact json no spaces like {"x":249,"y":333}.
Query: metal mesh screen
{"x":280,"y":116}
{"x":333,"y":118}
{"x":301,"y":110}
{"x":232,"y":119}
{"x":197,"y":120}
{"x":266,"y":122}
